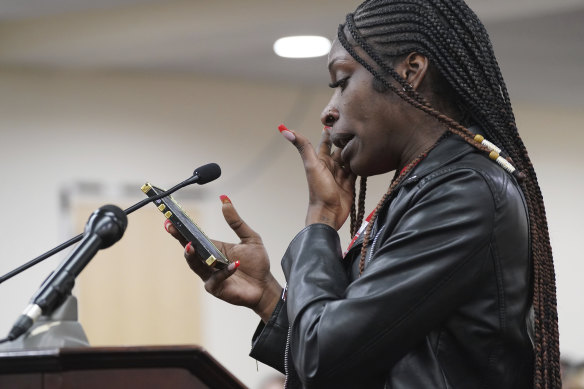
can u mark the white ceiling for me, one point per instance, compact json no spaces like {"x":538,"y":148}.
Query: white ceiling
{"x":540,"y":43}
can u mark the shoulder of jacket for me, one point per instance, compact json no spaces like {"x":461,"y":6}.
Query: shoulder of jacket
{"x":475,"y":168}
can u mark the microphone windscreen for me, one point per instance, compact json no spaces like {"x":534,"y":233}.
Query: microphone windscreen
{"x":207,"y":173}
{"x":109,"y":223}
{"x":117,"y":213}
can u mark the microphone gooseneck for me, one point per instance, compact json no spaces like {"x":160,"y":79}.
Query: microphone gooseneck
{"x":201,"y":175}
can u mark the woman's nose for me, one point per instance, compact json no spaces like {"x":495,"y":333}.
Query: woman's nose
{"x":329,"y":116}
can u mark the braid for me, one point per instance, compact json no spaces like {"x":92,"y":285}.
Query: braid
{"x":455,"y":41}
{"x":358,"y":211}
{"x":361,"y":204}
{"x":353,"y":217}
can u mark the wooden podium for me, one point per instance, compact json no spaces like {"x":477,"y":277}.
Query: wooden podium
{"x":174,"y":367}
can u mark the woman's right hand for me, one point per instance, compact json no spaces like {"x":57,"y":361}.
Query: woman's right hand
{"x":331,"y":185}
{"x":247,"y":281}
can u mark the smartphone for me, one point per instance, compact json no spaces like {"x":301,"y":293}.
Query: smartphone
{"x":187,"y":228}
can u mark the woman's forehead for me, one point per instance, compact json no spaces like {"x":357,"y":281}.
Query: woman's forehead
{"x":337,"y":53}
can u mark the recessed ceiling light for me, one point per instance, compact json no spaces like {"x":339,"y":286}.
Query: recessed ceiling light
{"x":306,"y":46}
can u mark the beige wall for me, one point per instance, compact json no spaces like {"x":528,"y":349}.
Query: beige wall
{"x":120,"y":130}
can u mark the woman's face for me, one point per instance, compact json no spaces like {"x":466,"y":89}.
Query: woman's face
{"x":370,"y":127}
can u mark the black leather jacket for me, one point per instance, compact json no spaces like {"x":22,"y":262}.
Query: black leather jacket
{"x":444,"y":299}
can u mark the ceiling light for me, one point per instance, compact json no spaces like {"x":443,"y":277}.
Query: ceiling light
{"x":302,"y":46}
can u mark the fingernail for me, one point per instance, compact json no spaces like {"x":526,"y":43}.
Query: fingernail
{"x":327,"y":128}
{"x":233,"y":265}
{"x":286,"y":133}
{"x":167,"y":223}
{"x":189,"y":248}
{"x":224,"y":199}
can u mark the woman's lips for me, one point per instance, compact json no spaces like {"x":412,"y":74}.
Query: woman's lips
{"x":341,"y":139}
{"x":346,"y":153}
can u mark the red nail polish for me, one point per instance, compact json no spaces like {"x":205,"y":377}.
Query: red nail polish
{"x":189,"y":247}
{"x":224,"y":199}
{"x":237,"y":264}
{"x":166,"y":224}
{"x":286,"y":133}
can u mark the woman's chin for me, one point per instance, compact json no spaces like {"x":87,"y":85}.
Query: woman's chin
{"x":367,"y":170}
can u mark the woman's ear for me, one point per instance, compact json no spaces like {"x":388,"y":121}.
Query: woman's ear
{"x":413,"y":69}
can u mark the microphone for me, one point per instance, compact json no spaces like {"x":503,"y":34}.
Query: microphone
{"x":104,"y":228}
{"x":207,"y":173}
{"x":202,"y":175}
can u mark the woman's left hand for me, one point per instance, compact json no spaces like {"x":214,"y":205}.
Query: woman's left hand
{"x":330,"y":185}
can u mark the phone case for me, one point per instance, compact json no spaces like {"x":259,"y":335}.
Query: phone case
{"x":187,"y":227}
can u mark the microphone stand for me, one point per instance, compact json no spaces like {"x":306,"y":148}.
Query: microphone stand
{"x":57,"y":330}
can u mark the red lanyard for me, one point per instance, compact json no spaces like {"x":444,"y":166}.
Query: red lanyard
{"x":361,"y":229}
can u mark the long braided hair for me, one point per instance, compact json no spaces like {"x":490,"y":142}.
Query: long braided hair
{"x":457,"y":45}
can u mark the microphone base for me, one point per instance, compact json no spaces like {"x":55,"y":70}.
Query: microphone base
{"x":59,"y":330}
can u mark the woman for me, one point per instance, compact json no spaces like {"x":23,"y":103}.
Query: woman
{"x":450,"y":282}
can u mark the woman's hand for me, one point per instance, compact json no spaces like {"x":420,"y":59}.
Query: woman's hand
{"x":247,"y":281}
{"x":330,"y":185}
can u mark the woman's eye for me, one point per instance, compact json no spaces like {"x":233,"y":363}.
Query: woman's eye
{"x":341,"y":83}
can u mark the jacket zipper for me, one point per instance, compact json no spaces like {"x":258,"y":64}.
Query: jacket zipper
{"x":286,"y":351}
{"x":287,"y":348}
{"x":373,"y":244}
